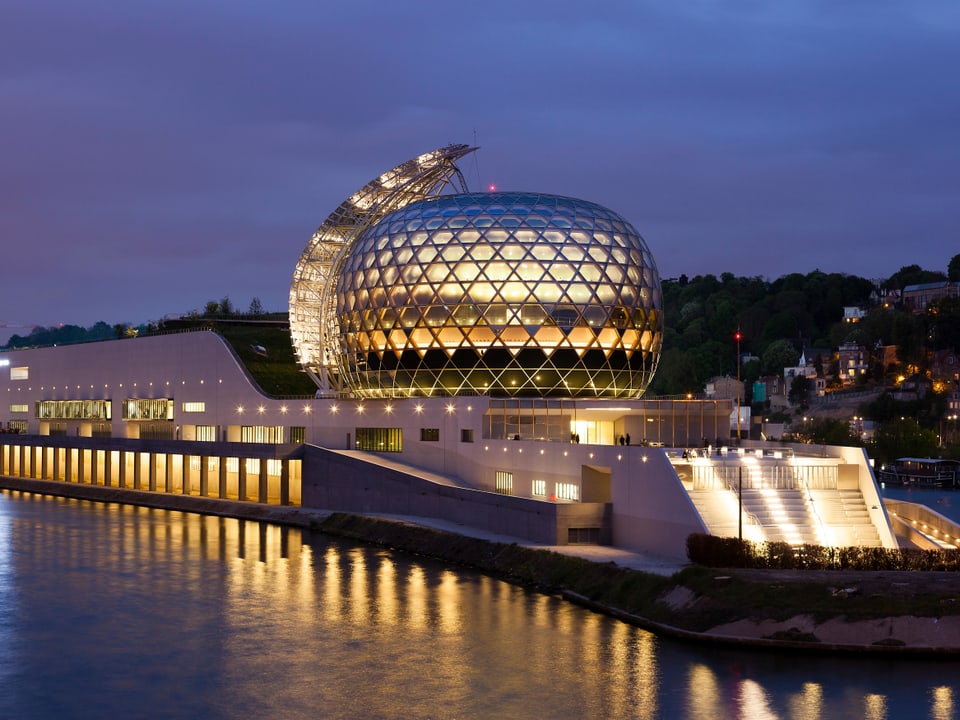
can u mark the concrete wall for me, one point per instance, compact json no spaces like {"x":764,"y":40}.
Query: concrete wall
{"x":341,"y":481}
{"x":651,"y":510}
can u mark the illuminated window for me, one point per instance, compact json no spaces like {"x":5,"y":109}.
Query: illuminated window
{"x":206,"y":433}
{"x":74,"y":410}
{"x":18,"y":426}
{"x":429,"y":434}
{"x":19,"y":408}
{"x":20,"y":373}
{"x":540,"y":488}
{"x":271,"y":434}
{"x":379,"y":439}
{"x":567,"y":491}
{"x":194,"y":407}
{"x":147,"y":409}
{"x":298,"y":435}
{"x":504,"y":482}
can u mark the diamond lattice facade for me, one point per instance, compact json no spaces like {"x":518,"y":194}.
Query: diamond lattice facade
{"x":312,"y":321}
{"x":517,"y":294}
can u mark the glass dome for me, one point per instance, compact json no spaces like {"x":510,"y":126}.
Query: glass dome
{"x":508,"y":294}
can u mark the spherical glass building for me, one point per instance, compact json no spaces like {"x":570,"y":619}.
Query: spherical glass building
{"x":506,"y":294}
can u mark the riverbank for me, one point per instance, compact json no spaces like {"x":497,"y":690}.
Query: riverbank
{"x":826,"y":611}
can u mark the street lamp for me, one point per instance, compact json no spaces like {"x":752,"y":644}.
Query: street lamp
{"x":738,"y":337}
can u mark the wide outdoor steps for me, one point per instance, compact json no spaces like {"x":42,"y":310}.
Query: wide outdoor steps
{"x":821,"y":517}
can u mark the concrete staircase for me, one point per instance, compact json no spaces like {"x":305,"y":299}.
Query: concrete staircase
{"x":818,"y":517}
{"x":845,"y":517}
{"x":785,"y":516}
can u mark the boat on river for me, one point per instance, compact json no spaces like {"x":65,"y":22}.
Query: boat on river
{"x":922,"y":472}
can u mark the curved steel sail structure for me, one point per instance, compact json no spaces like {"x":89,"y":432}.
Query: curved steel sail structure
{"x":314,"y":327}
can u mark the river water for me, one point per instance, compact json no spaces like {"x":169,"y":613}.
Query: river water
{"x":112,"y":611}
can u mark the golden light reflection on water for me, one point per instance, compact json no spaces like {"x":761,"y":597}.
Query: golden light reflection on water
{"x":359,"y":605}
{"x":754,"y":702}
{"x":633,"y":657}
{"x":704,"y":692}
{"x":449,"y":603}
{"x":808,"y":704}
{"x":330,"y":602}
{"x":943,"y":705}
{"x":874,"y":707}
{"x":416,"y":598}
{"x":388,"y":606}
{"x":310,"y":617}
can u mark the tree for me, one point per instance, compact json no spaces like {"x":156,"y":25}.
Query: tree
{"x":902,"y":437}
{"x":818,"y":365}
{"x":226,"y":307}
{"x":953,"y":269}
{"x":255,"y":307}
{"x":778,"y":355}
{"x":211,"y":309}
{"x":799,"y":393}
{"x":913,"y":275}
{"x":828,"y":431}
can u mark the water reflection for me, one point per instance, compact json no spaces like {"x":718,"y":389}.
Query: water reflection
{"x":115,"y":610}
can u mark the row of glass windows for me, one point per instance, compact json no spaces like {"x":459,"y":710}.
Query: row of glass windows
{"x":133,"y":409}
{"x":74,"y":410}
{"x":562,"y":491}
{"x":271,"y":434}
{"x":140,"y":409}
{"x":19,"y":408}
{"x":379,"y":439}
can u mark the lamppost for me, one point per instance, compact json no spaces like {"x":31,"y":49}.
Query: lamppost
{"x":738,"y":336}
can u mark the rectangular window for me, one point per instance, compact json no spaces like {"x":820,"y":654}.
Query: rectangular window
{"x":271,"y":434}
{"x":206,"y":433}
{"x":18,"y":426}
{"x":504,"y":482}
{"x":568,"y":491}
{"x":194,"y":407}
{"x":298,"y":435}
{"x":156,"y":431}
{"x":379,"y":439}
{"x":540,"y":488}
{"x":19,"y":408}
{"x":20,"y":373}
{"x":429,"y":434}
{"x":74,"y":410}
{"x":466,"y":435}
{"x":143,"y":409}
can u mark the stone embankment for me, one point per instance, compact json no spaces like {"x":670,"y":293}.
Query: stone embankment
{"x":888,"y":612}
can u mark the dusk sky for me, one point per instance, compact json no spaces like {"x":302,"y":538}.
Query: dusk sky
{"x":160,"y":155}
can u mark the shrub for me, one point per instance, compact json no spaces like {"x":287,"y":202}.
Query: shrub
{"x":729,"y":552}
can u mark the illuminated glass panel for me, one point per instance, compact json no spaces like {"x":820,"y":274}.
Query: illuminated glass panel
{"x":206,"y":433}
{"x":74,"y":410}
{"x":379,"y":439}
{"x":20,"y":373}
{"x":540,"y":488}
{"x":19,"y":408}
{"x":147,"y":409}
{"x":271,"y":434}
{"x":194,"y":407}
{"x":535,"y":300}
{"x":504,"y":482}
